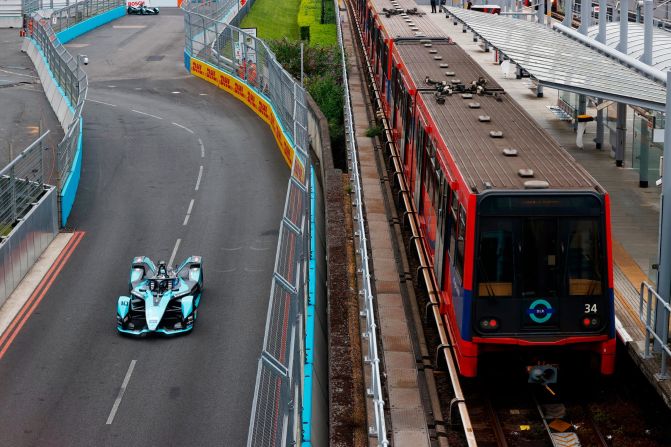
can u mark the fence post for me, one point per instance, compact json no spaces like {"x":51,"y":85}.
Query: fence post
{"x":12,"y":182}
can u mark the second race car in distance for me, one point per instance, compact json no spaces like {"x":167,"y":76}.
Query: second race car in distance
{"x":142,"y":10}
{"x":162,"y":299}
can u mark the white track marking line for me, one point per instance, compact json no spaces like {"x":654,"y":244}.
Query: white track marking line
{"x":145,"y":113}
{"x":174,"y":251}
{"x":202,"y":148}
{"x":200,"y":176}
{"x":19,"y":74}
{"x":117,"y":402}
{"x":188,"y":213}
{"x":185,"y":128}
{"x":100,"y":102}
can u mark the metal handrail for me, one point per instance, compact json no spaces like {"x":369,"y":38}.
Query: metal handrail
{"x":370,"y":333}
{"x":650,"y":330}
{"x":23,"y":153}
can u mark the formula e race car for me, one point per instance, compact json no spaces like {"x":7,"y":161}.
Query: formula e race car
{"x":142,"y":10}
{"x":162,"y":299}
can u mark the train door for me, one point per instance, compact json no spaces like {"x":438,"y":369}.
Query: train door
{"x":408,"y":127}
{"x":419,"y":165}
{"x":398,"y":108}
{"x":441,"y":224}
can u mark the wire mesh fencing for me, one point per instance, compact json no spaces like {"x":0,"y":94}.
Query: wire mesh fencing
{"x":77,"y":12}
{"x":248,"y":58}
{"x":21,"y":185}
{"x":69,"y":76}
{"x":276,"y":410}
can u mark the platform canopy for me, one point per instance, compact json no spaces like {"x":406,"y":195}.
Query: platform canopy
{"x":559,"y":62}
{"x":661,"y":42}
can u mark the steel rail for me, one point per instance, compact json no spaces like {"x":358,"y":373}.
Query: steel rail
{"x":380,"y":430}
{"x":425,"y":264}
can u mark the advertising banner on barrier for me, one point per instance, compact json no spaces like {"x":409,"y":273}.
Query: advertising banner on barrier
{"x":245,"y":94}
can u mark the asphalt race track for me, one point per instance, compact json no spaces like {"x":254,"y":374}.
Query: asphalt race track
{"x":171,"y":164}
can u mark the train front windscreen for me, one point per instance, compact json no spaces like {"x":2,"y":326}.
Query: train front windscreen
{"x":540,"y":266}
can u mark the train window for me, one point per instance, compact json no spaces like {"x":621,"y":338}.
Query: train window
{"x":419,"y":155}
{"x":583,"y":260}
{"x":384,"y":61}
{"x":538,"y":258}
{"x":460,"y":248}
{"x":494,"y":261}
{"x":455,"y":205}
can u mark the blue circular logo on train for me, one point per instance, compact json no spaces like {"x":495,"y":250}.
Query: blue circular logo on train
{"x":540,"y":311}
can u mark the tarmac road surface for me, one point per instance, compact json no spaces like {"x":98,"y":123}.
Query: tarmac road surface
{"x":172,"y":167}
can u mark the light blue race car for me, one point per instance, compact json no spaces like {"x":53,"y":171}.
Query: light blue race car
{"x":162,"y":299}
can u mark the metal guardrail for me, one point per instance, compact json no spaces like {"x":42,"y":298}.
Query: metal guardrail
{"x":275,"y":419}
{"x":370,"y":331}
{"x":74,"y":84}
{"x":79,"y":11}
{"x":21,"y":185}
{"x":249,"y":59}
{"x":278,"y":393}
{"x":660,"y":340}
{"x":216,"y":10}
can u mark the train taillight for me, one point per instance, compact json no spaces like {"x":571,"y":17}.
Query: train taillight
{"x":590,"y":322}
{"x":489,"y":324}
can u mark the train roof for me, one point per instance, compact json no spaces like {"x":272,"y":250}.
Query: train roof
{"x":429,"y":58}
{"x":475,"y":147}
{"x":401,"y":23}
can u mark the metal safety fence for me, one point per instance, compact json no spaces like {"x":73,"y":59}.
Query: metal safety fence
{"x":72,"y":81}
{"x":372,"y":359}
{"x":276,"y":409}
{"x":77,"y":12}
{"x":21,"y":185}
{"x":650,"y":304}
{"x":248,"y":58}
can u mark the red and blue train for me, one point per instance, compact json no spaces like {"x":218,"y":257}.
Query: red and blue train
{"x":517,"y":231}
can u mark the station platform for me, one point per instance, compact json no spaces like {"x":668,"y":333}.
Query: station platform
{"x":634,"y":210}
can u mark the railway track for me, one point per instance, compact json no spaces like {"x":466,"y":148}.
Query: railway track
{"x":510,"y":415}
{"x":531,"y":416}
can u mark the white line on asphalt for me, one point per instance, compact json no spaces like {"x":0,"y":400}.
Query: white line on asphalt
{"x":100,"y":102}
{"x":117,"y":402}
{"x":188,"y":213}
{"x":145,"y":113}
{"x":19,"y":74}
{"x":200,"y":175}
{"x":202,"y":148}
{"x":185,"y":128}
{"x":174,"y":251}
{"x":129,"y":26}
